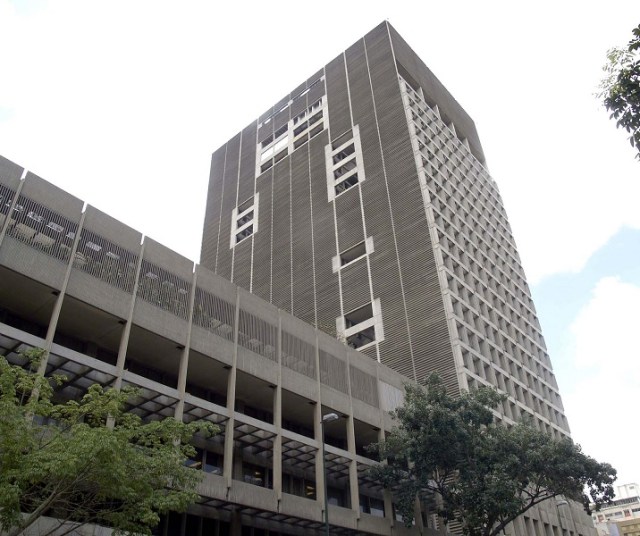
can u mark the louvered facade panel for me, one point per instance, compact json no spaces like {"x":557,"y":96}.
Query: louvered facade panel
{"x":262,"y":245}
{"x":355,"y":286}
{"x":327,"y":288}
{"x":229,"y":202}
{"x":363,"y":386}
{"x":316,"y":92}
{"x":281,"y":262}
{"x":301,"y":245}
{"x":349,"y":219}
{"x":242,"y":263}
{"x":247,"y":174}
{"x":208,"y":253}
{"x":338,"y":97}
{"x":394,"y":350}
{"x":333,"y":372}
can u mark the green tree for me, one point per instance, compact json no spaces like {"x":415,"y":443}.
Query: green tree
{"x":87,"y":461}
{"x":480,"y":473}
{"x":620,"y":89}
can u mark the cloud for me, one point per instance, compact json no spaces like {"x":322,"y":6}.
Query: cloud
{"x":602,"y":401}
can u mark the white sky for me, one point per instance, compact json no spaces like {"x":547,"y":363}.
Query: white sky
{"x":122,"y":103}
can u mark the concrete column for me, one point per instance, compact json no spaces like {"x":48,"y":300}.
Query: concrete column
{"x":235,"y":528}
{"x":184,"y":357}
{"x":353,"y":467}
{"x":277,"y":419}
{"x":386,"y":494}
{"x":231,"y":398}
{"x":7,"y":220}
{"x":126,"y":332}
{"x":317,"y":433}
{"x":57,"y":308}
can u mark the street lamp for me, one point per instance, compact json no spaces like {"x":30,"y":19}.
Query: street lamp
{"x":329,"y":417}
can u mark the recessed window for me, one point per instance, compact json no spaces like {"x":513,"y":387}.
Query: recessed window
{"x":344,"y":163}
{"x":362,"y":326}
{"x":344,"y":153}
{"x":358,"y":316}
{"x":353,"y":253}
{"x":294,"y":134}
{"x":244,"y":220}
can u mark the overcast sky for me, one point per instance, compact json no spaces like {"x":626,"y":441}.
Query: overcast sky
{"x":122,"y":103}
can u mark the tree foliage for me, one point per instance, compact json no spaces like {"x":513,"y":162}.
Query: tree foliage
{"x":61,"y":459}
{"x":481,"y":473}
{"x":620,"y":90}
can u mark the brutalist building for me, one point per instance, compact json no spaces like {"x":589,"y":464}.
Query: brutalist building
{"x":353,"y":241}
{"x":361,"y":204}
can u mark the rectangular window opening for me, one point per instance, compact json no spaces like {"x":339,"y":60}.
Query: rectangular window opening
{"x":346,"y":152}
{"x":245,"y":233}
{"x":362,"y":338}
{"x":359,"y":315}
{"x":301,"y":141}
{"x":346,"y":184}
{"x":353,"y":253}
{"x":245,"y":205}
{"x":245,"y":219}
{"x":342,"y":170}
{"x":300,"y":129}
{"x":316,"y":130}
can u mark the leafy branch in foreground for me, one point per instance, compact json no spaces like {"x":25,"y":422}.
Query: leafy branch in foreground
{"x":620,"y":89}
{"x":481,"y":473}
{"x":60,"y":459}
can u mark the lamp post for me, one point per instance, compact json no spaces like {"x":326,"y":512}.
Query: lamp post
{"x":329,"y":417}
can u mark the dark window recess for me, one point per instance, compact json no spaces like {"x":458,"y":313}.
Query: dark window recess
{"x":301,"y":128}
{"x":245,"y":233}
{"x":346,"y":184}
{"x":366,"y":336}
{"x":281,"y":131}
{"x":358,"y":316}
{"x":280,"y":155}
{"x":316,"y":130}
{"x":301,"y":141}
{"x":337,"y":497}
{"x":315,"y":118}
{"x":371,"y":505}
{"x":347,"y":151}
{"x":341,"y":139}
{"x":300,"y":486}
{"x":256,"y":413}
{"x":245,"y":219}
{"x":342,"y":170}
{"x":266,"y":166}
{"x":256,"y":475}
{"x":267,"y":141}
{"x":245,"y":205}
{"x":353,"y":253}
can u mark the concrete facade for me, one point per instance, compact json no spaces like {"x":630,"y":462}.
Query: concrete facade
{"x":117,"y":308}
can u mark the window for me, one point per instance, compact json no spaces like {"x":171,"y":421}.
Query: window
{"x":244,"y":220}
{"x":344,"y":163}
{"x":361,"y":327}
{"x":370,"y":505}
{"x":275,"y":145}
{"x":295,"y":133}
{"x":353,"y":253}
{"x":256,"y":475}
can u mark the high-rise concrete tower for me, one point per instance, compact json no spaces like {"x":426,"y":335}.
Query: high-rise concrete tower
{"x":361,"y":203}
